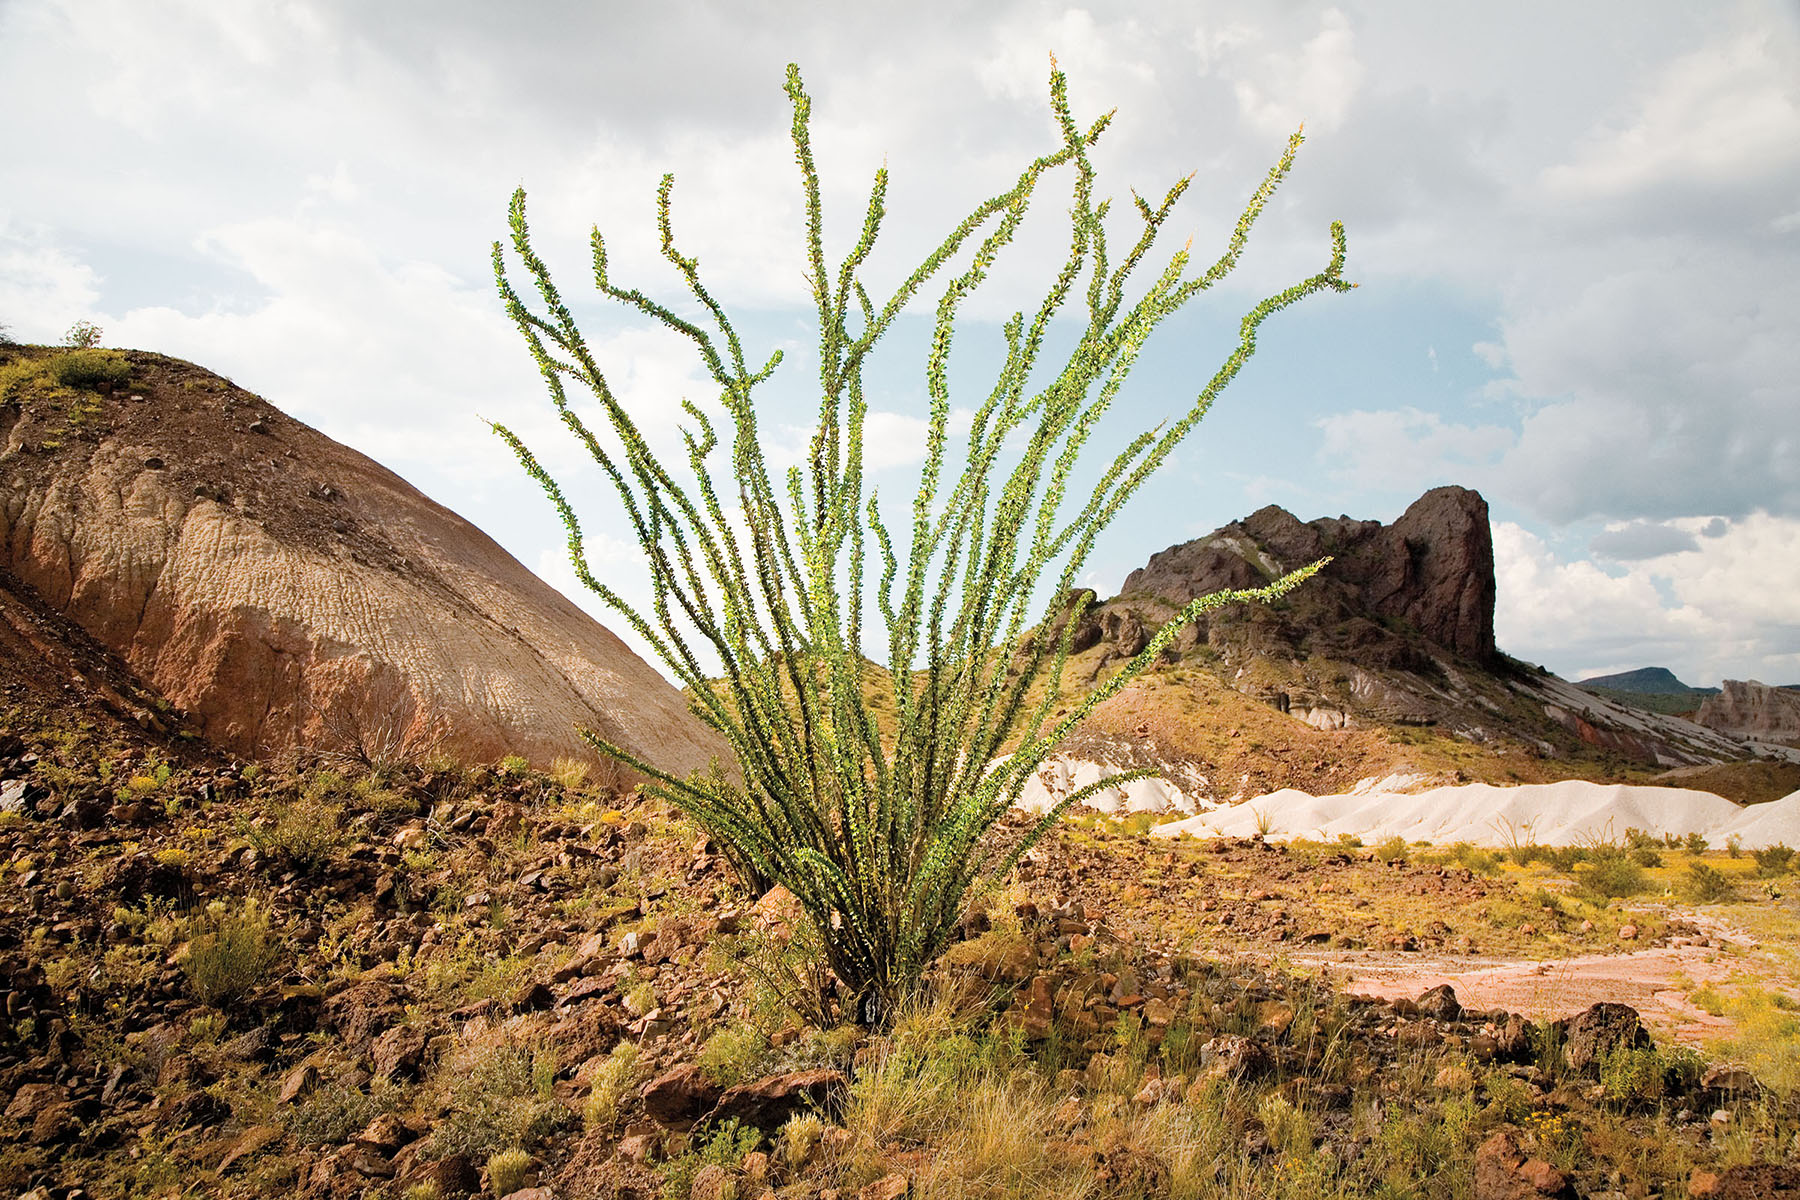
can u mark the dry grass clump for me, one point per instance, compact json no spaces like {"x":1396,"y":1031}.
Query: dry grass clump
{"x":233,"y":959}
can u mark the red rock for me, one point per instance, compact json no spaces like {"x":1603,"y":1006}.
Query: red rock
{"x":679,"y":1097}
{"x":251,"y":1142}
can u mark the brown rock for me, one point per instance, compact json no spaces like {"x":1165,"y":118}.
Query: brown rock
{"x":282,"y":589}
{"x":1731,"y":1079}
{"x":1758,"y":1181}
{"x":1590,"y":1036}
{"x":679,"y":1097}
{"x":712,"y":1182}
{"x":301,"y":1080}
{"x":400,"y":1052}
{"x":1440,"y":1004}
{"x":1502,"y":1171}
{"x":363,"y":1010}
{"x":767,"y":1103}
{"x":888,"y":1187}
{"x":454,"y":1175}
{"x":53,"y":1123}
{"x":1233,"y":1056}
{"x":251,"y":1142}
{"x":33,"y":1098}
{"x":541,"y":1193}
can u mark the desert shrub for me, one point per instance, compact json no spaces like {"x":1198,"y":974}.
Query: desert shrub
{"x":1638,"y":839}
{"x":500,"y":1096}
{"x":1734,"y":846}
{"x":506,"y":1171}
{"x":1707,"y":885}
{"x":1773,"y":860}
{"x":82,"y":335}
{"x":724,"y":1147}
{"x":1565,"y":858}
{"x":1695,"y":844}
{"x":1647,"y":856}
{"x":880,"y":831}
{"x":1392,"y":849}
{"x":307,"y":831}
{"x":610,"y":1084}
{"x":1613,"y":877}
{"x":513,"y":766}
{"x":234,"y":958}
{"x":334,"y":1111}
{"x":733,"y":1055}
{"x":89,"y":369}
{"x":569,"y":773}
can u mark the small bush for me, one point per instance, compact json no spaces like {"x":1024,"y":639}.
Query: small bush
{"x":506,"y":1171}
{"x":610,"y":1085}
{"x":1734,"y":847}
{"x":1773,"y":860}
{"x":1647,"y":856}
{"x":82,"y":335}
{"x":1707,"y":885}
{"x":1613,"y":877}
{"x":732,"y":1056}
{"x":500,"y":1096}
{"x":333,"y":1112}
{"x":227,"y":964}
{"x":89,"y":369}
{"x":1392,"y":850}
{"x":307,"y":832}
{"x":1694,"y":844}
{"x":725,"y":1148}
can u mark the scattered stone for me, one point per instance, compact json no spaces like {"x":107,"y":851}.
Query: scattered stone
{"x":679,"y":1097}
{"x":1440,"y":1004}
{"x":1502,"y":1171}
{"x":889,"y":1187}
{"x":251,"y":1142}
{"x":1628,"y":932}
{"x":1233,"y":1056}
{"x":1588,"y":1037}
{"x":767,"y":1103}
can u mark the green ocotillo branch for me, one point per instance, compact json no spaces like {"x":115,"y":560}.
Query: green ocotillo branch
{"x":770,"y":582}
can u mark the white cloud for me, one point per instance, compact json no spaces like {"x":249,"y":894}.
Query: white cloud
{"x":43,"y":290}
{"x":1316,"y":85}
{"x":1407,"y":449}
{"x":1730,"y":614}
{"x":1718,"y":119}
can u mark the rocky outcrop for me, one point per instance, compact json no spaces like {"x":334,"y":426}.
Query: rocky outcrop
{"x":1749,"y":709}
{"x":1432,"y":569}
{"x":284,"y":589}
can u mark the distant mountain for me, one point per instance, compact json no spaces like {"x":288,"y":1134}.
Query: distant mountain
{"x":1650,"y":680}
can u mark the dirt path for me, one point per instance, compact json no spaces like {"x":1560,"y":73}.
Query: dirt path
{"x":1656,"y":981}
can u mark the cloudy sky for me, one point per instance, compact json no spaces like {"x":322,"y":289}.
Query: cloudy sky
{"x":1576,"y":230}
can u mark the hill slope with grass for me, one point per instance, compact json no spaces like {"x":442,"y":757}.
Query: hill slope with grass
{"x":1384,"y":663}
{"x":282,"y":589}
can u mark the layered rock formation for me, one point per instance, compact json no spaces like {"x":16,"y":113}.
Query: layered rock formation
{"x":284,"y":589}
{"x":1432,"y":569}
{"x":1397,"y":630}
{"x":1749,"y":709}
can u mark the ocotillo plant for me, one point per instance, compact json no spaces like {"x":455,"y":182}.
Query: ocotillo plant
{"x":880,"y":837}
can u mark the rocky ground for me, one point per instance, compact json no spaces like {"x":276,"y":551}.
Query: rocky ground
{"x":427,"y":980}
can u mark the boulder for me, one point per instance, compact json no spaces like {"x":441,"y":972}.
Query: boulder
{"x":767,"y":1103}
{"x":1590,"y":1036}
{"x":680,"y":1096}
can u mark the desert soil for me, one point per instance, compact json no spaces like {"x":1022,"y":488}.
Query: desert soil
{"x":1657,"y":980}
